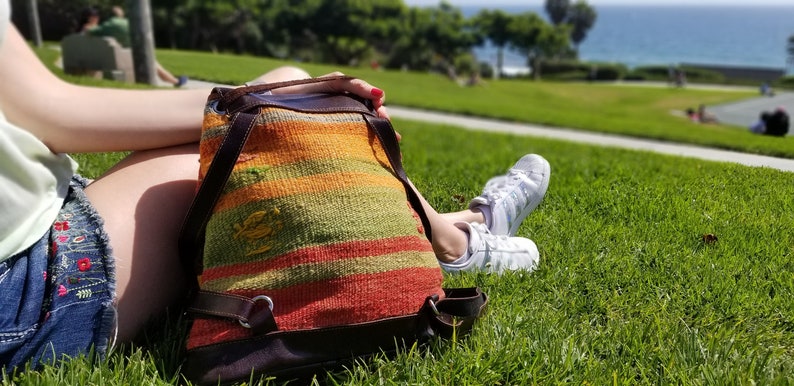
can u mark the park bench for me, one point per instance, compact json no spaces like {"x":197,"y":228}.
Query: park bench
{"x":101,"y":57}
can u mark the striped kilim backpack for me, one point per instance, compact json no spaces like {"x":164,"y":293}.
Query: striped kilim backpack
{"x":309,"y":246}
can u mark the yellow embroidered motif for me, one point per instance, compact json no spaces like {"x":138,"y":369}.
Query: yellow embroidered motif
{"x":258,"y":230}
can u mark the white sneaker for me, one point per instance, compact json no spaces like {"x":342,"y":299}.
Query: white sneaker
{"x":493,"y":253}
{"x":512,"y":197}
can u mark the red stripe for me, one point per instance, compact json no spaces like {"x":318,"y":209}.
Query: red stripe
{"x":316,"y":254}
{"x":346,"y":300}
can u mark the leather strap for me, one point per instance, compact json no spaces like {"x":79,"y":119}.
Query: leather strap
{"x":235,"y":93}
{"x":300,"y":353}
{"x":385,"y":132}
{"x":191,"y":237}
{"x":457,"y":311}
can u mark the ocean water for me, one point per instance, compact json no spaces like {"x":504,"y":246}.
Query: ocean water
{"x":664,"y":35}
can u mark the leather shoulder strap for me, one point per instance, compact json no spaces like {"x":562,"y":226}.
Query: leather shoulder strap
{"x":191,"y":238}
{"x":385,"y":132}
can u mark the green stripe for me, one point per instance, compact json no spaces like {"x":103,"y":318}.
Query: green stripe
{"x":283,"y":115}
{"x":335,"y":216}
{"x":212,"y":132}
{"x":249,"y":176}
{"x":325,"y":271}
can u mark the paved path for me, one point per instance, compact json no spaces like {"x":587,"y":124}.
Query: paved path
{"x":709,"y":154}
{"x":594,"y":138}
{"x":745,"y":113}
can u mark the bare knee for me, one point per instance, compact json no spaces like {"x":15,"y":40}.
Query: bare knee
{"x":282,"y":74}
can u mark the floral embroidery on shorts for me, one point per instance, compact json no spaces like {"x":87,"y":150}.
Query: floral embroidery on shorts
{"x":77,"y":271}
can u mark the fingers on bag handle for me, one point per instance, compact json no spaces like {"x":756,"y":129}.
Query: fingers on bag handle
{"x":258,"y":88}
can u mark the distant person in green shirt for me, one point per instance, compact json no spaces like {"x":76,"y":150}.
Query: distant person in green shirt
{"x":118,"y":27}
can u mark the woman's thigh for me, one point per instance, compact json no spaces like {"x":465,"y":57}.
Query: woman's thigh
{"x":143,"y":201}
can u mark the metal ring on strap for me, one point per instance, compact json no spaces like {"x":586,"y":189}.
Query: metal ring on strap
{"x":433,"y":307}
{"x":256,"y":299}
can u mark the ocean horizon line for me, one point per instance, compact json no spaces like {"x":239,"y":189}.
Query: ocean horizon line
{"x":738,"y":36}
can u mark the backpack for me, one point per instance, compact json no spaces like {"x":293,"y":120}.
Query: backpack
{"x":309,"y":246}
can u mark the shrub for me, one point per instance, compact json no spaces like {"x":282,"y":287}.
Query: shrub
{"x":575,"y":70}
{"x":609,"y":71}
{"x":786,"y":82}
{"x":702,"y":76}
{"x":657,"y":73}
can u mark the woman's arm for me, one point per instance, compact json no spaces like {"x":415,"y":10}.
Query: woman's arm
{"x":70,"y":118}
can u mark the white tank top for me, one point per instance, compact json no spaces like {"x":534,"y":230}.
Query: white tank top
{"x":33,"y":180}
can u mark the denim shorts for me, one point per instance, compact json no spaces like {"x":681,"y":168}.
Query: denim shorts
{"x":58,"y":295}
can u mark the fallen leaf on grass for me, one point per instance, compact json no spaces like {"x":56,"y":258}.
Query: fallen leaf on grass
{"x":709,"y":238}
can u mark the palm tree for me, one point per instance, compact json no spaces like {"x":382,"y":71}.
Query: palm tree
{"x":581,"y":17}
{"x":494,"y":25}
{"x":790,"y":50}
{"x":557,"y":10}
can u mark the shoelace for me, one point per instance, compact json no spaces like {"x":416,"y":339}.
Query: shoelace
{"x":490,"y":239}
{"x":505,"y":187}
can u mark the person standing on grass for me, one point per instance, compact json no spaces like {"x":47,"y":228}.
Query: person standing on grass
{"x":83,"y":263}
{"x":118,"y":27}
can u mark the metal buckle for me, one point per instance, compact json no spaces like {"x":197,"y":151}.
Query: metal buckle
{"x":433,"y":306}
{"x":269,"y":305}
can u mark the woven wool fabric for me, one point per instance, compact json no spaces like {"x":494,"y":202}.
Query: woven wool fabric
{"x":313,"y":217}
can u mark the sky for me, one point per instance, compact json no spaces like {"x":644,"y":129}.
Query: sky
{"x":496,"y":3}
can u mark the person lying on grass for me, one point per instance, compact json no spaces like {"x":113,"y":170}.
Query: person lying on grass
{"x":84,"y":263}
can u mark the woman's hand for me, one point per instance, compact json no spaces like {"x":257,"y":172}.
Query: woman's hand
{"x":352,"y":85}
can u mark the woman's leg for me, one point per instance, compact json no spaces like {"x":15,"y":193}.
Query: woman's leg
{"x":449,"y":242}
{"x":143,"y":201}
{"x":467,"y":215}
{"x":165,"y":75}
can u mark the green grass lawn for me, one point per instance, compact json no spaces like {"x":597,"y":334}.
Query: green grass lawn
{"x":637,"y":111}
{"x":628,"y":290}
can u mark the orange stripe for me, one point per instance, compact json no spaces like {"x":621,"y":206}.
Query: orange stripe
{"x":314,"y":147}
{"x":347,"y":300}
{"x":213,"y":120}
{"x":270,"y":147}
{"x":310,"y":184}
{"x":286,"y":132}
{"x":316,"y":254}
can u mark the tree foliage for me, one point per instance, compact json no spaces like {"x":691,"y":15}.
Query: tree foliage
{"x":557,"y":10}
{"x":790,"y":50}
{"x":536,"y":39}
{"x":57,"y":17}
{"x":580,"y":16}
{"x":331,"y":31}
{"x":495,"y":26}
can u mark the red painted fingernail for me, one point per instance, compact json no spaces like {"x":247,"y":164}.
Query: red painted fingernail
{"x":376,"y":92}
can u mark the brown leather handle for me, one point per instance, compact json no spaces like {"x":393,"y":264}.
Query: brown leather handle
{"x":235,"y":93}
